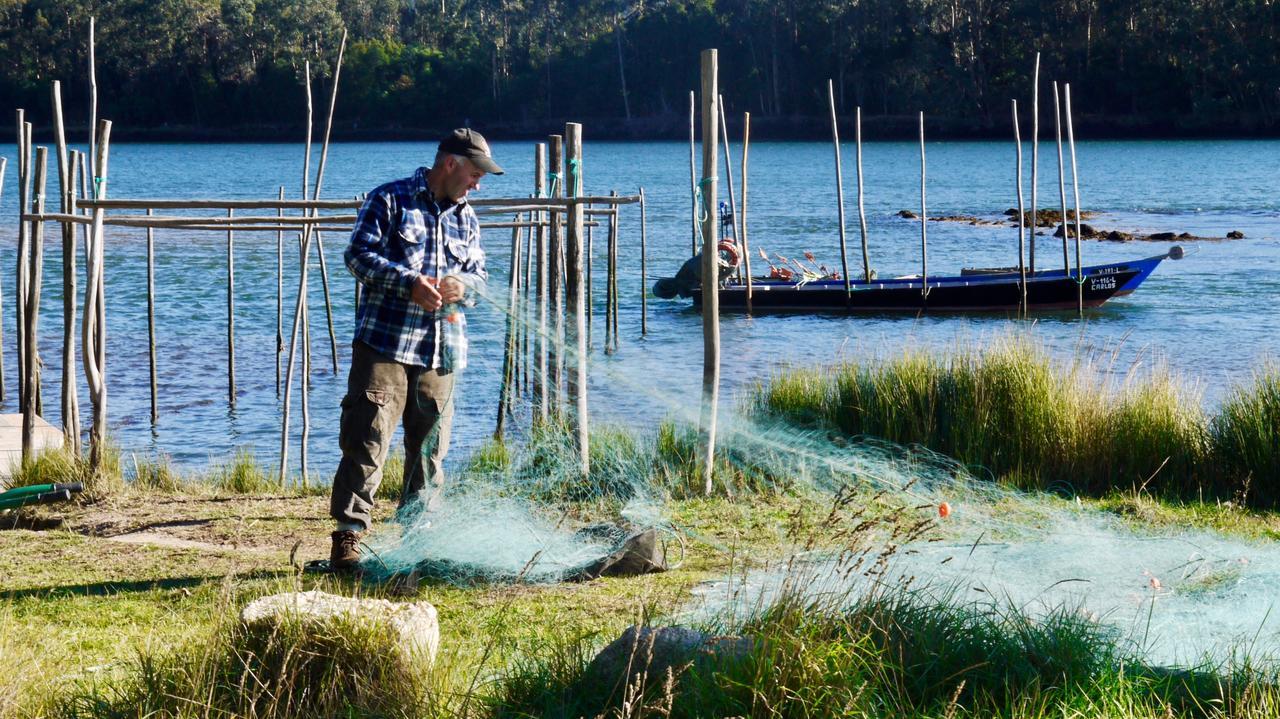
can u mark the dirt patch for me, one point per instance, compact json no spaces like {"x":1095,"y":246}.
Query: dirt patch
{"x":257,"y":524}
{"x":29,"y":520}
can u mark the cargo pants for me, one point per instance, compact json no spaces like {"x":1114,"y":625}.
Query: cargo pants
{"x":380,"y":392}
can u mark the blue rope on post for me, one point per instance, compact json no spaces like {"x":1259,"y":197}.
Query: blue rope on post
{"x":575,"y":171}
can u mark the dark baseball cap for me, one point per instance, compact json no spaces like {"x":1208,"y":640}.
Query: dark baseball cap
{"x":470,"y":144}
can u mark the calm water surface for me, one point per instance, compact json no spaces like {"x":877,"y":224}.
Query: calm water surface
{"x":1210,"y":317}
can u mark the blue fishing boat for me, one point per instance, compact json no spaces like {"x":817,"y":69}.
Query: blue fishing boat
{"x":975,"y":290}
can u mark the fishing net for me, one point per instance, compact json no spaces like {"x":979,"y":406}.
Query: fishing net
{"x":897,"y":516}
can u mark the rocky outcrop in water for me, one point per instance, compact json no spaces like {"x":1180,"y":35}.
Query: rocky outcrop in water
{"x":1046,"y":218}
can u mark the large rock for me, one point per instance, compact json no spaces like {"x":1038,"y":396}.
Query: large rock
{"x":652,"y":650}
{"x":415,"y":623}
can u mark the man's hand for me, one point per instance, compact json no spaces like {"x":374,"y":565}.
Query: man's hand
{"x":452,"y":289}
{"x":431,"y":294}
{"x":425,"y":295}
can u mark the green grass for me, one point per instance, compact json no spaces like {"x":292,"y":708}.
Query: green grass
{"x":1246,"y":435}
{"x":94,"y":628}
{"x":1010,"y":412}
{"x":242,"y":474}
{"x":156,"y":475}
{"x":339,"y":667}
{"x":895,"y":653}
{"x":60,"y":466}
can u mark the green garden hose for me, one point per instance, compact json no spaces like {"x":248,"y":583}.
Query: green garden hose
{"x":38,"y":494}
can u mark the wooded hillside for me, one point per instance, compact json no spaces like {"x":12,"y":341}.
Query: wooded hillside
{"x":1135,"y":65}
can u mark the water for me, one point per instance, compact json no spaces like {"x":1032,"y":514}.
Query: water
{"x":1208,"y":316}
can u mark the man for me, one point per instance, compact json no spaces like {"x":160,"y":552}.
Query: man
{"x":416,"y":252}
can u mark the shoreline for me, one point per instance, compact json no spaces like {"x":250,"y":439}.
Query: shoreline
{"x":798,"y":128}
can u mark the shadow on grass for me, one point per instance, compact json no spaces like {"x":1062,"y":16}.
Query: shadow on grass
{"x":96,"y":589}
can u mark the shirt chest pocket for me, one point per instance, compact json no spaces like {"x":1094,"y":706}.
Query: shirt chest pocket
{"x":412,"y":237}
{"x":457,"y":247}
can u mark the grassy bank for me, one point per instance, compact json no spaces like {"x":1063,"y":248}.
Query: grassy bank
{"x":126,"y":605}
{"x":1010,"y":412}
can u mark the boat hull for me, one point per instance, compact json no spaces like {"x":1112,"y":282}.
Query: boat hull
{"x":990,"y":292}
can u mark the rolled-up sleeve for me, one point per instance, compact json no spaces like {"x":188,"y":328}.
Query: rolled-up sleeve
{"x":367,"y":254}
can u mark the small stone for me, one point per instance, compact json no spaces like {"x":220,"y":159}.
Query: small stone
{"x":1162,"y":236}
{"x":907,"y":214}
{"x":415,"y":623}
{"x":1235,"y":235}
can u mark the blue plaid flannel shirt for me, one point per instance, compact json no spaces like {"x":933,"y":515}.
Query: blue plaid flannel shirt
{"x":400,"y":235}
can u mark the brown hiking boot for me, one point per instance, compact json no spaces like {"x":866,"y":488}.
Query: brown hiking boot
{"x":345,"y":554}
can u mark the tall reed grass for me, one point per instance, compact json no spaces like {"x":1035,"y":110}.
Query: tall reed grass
{"x":1245,"y":436}
{"x":1011,"y":412}
{"x":893,"y":653}
{"x":60,"y":466}
{"x":303,"y":669}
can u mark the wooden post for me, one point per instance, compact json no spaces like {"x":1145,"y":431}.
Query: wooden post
{"x":71,"y":412}
{"x":728,"y":175}
{"x":591,"y":294}
{"x":20,"y":286}
{"x":328,"y":303}
{"x":555,"y":255}
{"x":693,"y":176}
{"x":527,"y":307}
{"x":306,"y":153}
{"x":1075,"y":185}
{"x":924,"y":226}
{"x":515,"y":309}
{"x":710,"y":268}
{"x":92,"y":165}
{"x":574,"y":291}
{"x":280,"y":293}
{"x":359,"y":288}
{"x":231,"y":313}
{"x":26,"y":267}
{"x":611,"y":337}
{"x":1022,"y":250}
{"x":4,"y":165}
{"x":742,"y":221}
{"x":644,"y":267}
{"x":835,"y":139}
{"x":540,"y":390}
{"x":862,"y":211}
{"x":151,"y":319}
{"x":300,"y":307}
{"x":32,"y":380}
{"x":305,"y":277}
{"x":324,"y":267}
{"x":1035,"y":156}
{"x":66,"y":185}
{"x":1062,"y":180}
{"x":509,"y":346}
{"x":87,"y":236}
{"x":93,"y":328}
